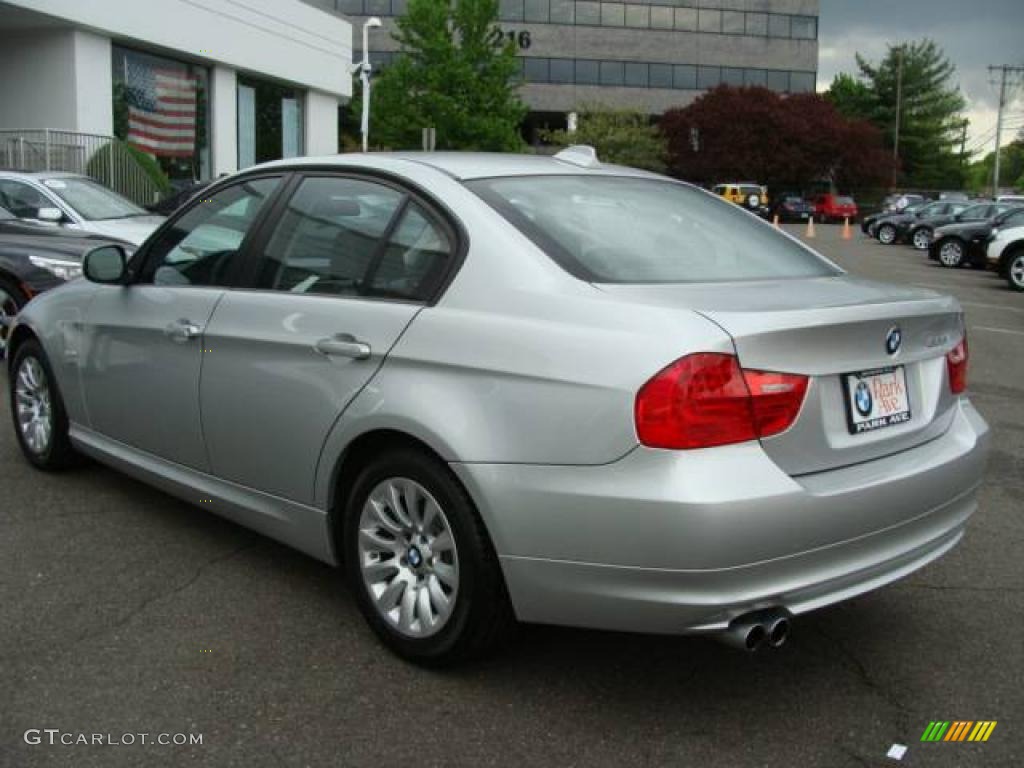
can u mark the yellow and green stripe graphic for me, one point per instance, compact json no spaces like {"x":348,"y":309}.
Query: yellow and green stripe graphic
{"x":958,"y":730}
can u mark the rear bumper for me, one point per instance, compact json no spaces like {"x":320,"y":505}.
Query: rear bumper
{"x":682,"y":542}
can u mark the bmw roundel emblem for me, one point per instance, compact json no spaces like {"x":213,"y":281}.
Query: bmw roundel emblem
{"x":893,"y":340}
{"x":862,"y":398}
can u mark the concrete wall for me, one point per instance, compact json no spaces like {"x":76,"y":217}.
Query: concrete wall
{"x":321,"y":124}
{"x":224,"y":119}
{"x":289,"y":40}
{"x":37,"y":84}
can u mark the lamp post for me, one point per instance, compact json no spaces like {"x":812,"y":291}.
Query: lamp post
{"x":364,"y":70}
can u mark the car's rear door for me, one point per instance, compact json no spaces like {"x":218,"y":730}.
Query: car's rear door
{"x":145,"y":341}
{"x":343,"y":266}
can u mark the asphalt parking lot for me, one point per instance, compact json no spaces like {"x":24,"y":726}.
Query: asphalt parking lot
{"x":127,"y":611}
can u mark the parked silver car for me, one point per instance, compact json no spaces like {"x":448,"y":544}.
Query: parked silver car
{"x":507,"y":386}
{"x":75,"y":202}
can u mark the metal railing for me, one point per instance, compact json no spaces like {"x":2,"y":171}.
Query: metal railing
{"x":104,"y":158}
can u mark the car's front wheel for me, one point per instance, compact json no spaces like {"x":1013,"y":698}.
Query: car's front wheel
{"x":922,"y":238}
{"x":1015,"y":271}
{"x":40,"y":421}
{"x":425,"y":575}
{"x":12,"y":299}
{"x":887,"y":234}
{"x":951,"y":252}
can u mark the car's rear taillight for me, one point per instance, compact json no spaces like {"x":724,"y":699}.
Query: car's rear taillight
{"x":707,"y":399}
{"x":956,"y":366}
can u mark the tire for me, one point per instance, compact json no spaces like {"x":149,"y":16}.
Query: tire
{"x":1015,"y":270}
{"x":752,"y":202}
{"x":921,"y":238}
{"x":887,"y":234}
{"x":37,"y":410}
{"x":951,"y":252}
{"x":380,"y":565}
{"x":12,"y":299}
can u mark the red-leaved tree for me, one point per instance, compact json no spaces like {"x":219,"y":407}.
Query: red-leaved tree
{"x":754,"y":134}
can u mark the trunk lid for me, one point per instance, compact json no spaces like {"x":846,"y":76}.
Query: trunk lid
{"x":826,"y":328}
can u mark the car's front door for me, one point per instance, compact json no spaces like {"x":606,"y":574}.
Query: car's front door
{"x":144,"y":341}
{"x":338,"y":276}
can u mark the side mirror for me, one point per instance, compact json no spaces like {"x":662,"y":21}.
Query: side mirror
{"x":105,"y":264}
{"x":53,"y":215}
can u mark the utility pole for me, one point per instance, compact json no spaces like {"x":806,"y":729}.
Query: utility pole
{"x":1003,"y":70}
{"x":899,"y":109}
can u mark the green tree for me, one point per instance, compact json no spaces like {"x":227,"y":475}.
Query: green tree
{"x":931,"y":124}
{"x":619,"y":135}
{"x":455,"y":73}
{"x":851,"y":97}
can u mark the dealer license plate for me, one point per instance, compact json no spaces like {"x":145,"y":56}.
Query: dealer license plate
{"x":876,"y":399}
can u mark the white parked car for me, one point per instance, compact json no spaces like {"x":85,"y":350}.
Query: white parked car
{"x":1006,"y":255}
{"x":76,"y":202}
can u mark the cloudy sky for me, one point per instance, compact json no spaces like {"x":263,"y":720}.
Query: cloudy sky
{"x":973,"y":33}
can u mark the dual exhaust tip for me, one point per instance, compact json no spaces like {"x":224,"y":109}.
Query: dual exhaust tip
{"x":753,"y":631}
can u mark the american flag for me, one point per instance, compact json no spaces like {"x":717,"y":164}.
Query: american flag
{"x":161,"y":110}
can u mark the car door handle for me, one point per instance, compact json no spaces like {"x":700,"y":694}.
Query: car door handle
{"x":182,"y":331}
{"x":343,"y":345}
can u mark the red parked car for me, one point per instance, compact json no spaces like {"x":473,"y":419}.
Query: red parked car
{"x":834,"y":208}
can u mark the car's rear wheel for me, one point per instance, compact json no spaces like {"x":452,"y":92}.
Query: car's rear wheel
{"x":1015,"y":271}
{"x":922,"y":238}
{"x":887,"y":234}
{"x":951,"y":252}
{"x":425,"y":575}
{"x":12,"y":299}
{"x":40,"y":421}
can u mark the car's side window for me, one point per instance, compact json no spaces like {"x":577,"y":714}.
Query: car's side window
{"x":328,"y":237}
{"x":21,"y":199}
{"x":415,"y":259}
{"x":202,"y":246}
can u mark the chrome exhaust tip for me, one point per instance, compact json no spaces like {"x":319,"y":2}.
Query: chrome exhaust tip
{"x":778,"y":631}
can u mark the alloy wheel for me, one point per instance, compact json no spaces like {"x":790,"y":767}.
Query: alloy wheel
{"x":1015,"y":272}
{"x":922,"y":239}
{"x":951,"y":253}
{"x":33,"y":405}
{"x":8,"y":309}
{"x":886,"y":235}
{"x":408,"y":558}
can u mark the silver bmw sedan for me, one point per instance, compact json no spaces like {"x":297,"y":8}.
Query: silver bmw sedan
{"x":506,"y":387}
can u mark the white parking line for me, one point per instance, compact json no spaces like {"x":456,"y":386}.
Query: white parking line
{"x":996,"y":330}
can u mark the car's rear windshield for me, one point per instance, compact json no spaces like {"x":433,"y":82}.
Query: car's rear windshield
{"x":844,"y":201}
{"x":614,"y":229}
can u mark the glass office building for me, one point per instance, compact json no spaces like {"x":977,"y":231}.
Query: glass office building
{"x":649,"y":55}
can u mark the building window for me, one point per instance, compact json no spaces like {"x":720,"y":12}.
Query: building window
{"x":709,"y":77}
{"x":778,"y":25}
{"x":638,"y":16}
{"x":537,"y":10}
{"x":636,"y":74}
{"x":755,"y":77}
{"x":511,"y":10}
{"x":686,"y":19}
{"x":804,"y":27}
{"x":587,"y":72}
{"x":778,"y":80}
{"x":588,"y":13}
{"x":351,"y":7}
{"x":710,"y":21}
{"x":661,"y":18}
{"x":269,"y":121}
{"x":535,"y":70}
{"x":757,"y":24}
{"x":378,"y":7}
{"x":161,"y":106}
{"x":563,"y":12}
{"x":802,"y":82}
{"x":561,"y":71}
{"x":612,"y":73}
{"x":661,"y":75}
{"x":733,"y":23}
{"x":684,"y":76}
{"x":613,"y":15}
{"x":732,"y":76}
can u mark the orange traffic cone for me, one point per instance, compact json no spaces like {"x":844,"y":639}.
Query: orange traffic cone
{"x":847,"y":234}
{"x":810,"y":227}
{"x":775,"y":221}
